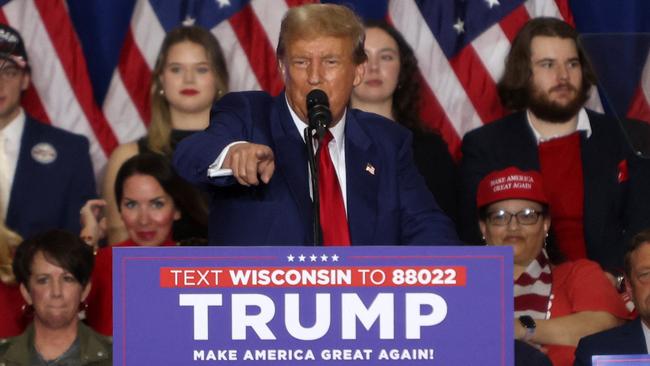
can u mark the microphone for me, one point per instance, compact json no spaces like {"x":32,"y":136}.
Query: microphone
{"x":318,"y":111}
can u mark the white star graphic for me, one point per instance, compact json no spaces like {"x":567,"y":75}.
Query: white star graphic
{"x":492,"y":3}
{"x":459,"y":26}
{"x":223,"y":3}
{"x":313,"y":258}
{"x":335,"y":258}
{"x":323,"y":258}
{"x":301,"y":258}
{"x":188,"y":21}
{"x":290,"y":257}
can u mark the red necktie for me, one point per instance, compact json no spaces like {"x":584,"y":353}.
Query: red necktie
{"x":333,"y":220}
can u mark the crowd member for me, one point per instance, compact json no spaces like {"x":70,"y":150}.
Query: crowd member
{"x":12,"y":319}
{"x":189,"y":75}
{"x":151,"y":197}
{"x":32,"y":152}
{"x":371,"y":194}
{"x":391,"y":88}
{"x":556,"y":302}
{"x":597,"y":188}
{"x":53,"y":269}
{"x":633,"y":337}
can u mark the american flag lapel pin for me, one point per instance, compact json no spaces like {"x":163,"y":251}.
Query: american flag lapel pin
{"x":370,"y":169}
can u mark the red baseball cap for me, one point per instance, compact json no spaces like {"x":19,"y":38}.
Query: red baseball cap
{"x":510,"y":183}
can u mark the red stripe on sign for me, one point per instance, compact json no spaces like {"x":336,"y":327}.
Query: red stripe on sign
{"x":478,"y":84}
{"x":309,"y":276}
{"x":254,"y":42}
{"x":30,"y":100}
{"x":434,"y":116}
{"x":565,"y":11}
{"x":63,"y":37}
{"x":639,"y":108}
{"x":512,"y":23}
{"x":136,"y":76}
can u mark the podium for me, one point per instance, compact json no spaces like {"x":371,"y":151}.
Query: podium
{"x":366,"y":305}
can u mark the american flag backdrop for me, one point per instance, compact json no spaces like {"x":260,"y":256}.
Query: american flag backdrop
{"x":460,"y":45}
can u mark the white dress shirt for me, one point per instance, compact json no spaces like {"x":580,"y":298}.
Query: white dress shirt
{"x":583,"y":125}
{"x":11,"y":135}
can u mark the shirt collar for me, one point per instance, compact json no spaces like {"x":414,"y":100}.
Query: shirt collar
{"x":14,"y":129}
{"x":583,"y":125}
{"x":337,"y":131}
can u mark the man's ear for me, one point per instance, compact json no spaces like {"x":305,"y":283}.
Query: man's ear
{"x":24,"y":84}
{"x":283,"y":70}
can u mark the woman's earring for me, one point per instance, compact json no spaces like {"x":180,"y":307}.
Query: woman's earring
{"x":27,"y":310}
{"x":546,"y":240}
{"x":161,"y":92}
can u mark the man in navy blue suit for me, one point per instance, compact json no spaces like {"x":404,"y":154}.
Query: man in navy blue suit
{"x":260,"y":139}
{"x":631,"y":338}
{"x":45,"y":172}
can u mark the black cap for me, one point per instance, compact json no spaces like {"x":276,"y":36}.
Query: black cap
{"x":12,"y":47}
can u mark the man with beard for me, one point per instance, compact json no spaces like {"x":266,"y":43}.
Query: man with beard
{"x":597,"y":187}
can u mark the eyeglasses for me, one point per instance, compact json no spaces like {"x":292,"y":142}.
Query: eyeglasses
{"x":10,"y":73}
{"x":527,"y":216}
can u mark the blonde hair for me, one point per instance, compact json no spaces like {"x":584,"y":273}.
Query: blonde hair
{"x":159,"y":131}
{"x":9,"y":240}
{"x":314,"y":20}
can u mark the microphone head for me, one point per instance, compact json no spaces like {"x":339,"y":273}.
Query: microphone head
{"x":317,"y":97}
{"x":318,"y":110}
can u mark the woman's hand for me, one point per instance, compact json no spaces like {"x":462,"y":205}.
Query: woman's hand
{"x":93,"y":222}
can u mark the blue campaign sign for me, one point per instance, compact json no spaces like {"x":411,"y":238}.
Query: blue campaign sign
{"x":621,"y":360}
{"x":370,"y":305}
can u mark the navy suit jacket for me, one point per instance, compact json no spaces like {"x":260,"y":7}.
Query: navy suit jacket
{"x":393,"y":206}
{"x":627,"y":339}
{"x":613,"y":211}
{"x":46,"y":195}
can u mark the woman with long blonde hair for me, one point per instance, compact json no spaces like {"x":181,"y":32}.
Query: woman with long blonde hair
{"x":189,"y":76}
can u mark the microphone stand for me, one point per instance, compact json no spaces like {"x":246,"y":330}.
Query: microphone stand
{"x":309,"y":134}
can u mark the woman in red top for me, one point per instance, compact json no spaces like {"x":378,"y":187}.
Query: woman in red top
{"x":556,"y":302}
{"x":150,"y":198}
{"x":12,"y":319}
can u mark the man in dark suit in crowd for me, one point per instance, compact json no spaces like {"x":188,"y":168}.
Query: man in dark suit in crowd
{"x":632,"y":338}
{"x":597,"y":186}
{"x":45,"y":173}
{"x":377,"y":195}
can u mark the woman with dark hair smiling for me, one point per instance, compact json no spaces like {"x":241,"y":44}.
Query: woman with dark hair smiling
{"x":391,"y":88}
{"x":53,"y":269}
{"x":150,"y":196}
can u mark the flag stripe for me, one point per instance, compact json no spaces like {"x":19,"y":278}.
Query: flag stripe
{"x":66,"y":45}
{"x":479,"y":86}
{"x":253,"y":39}
{"x":512,"y":23}
{"x":240,"y":72}
{"x":136,"y":76}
